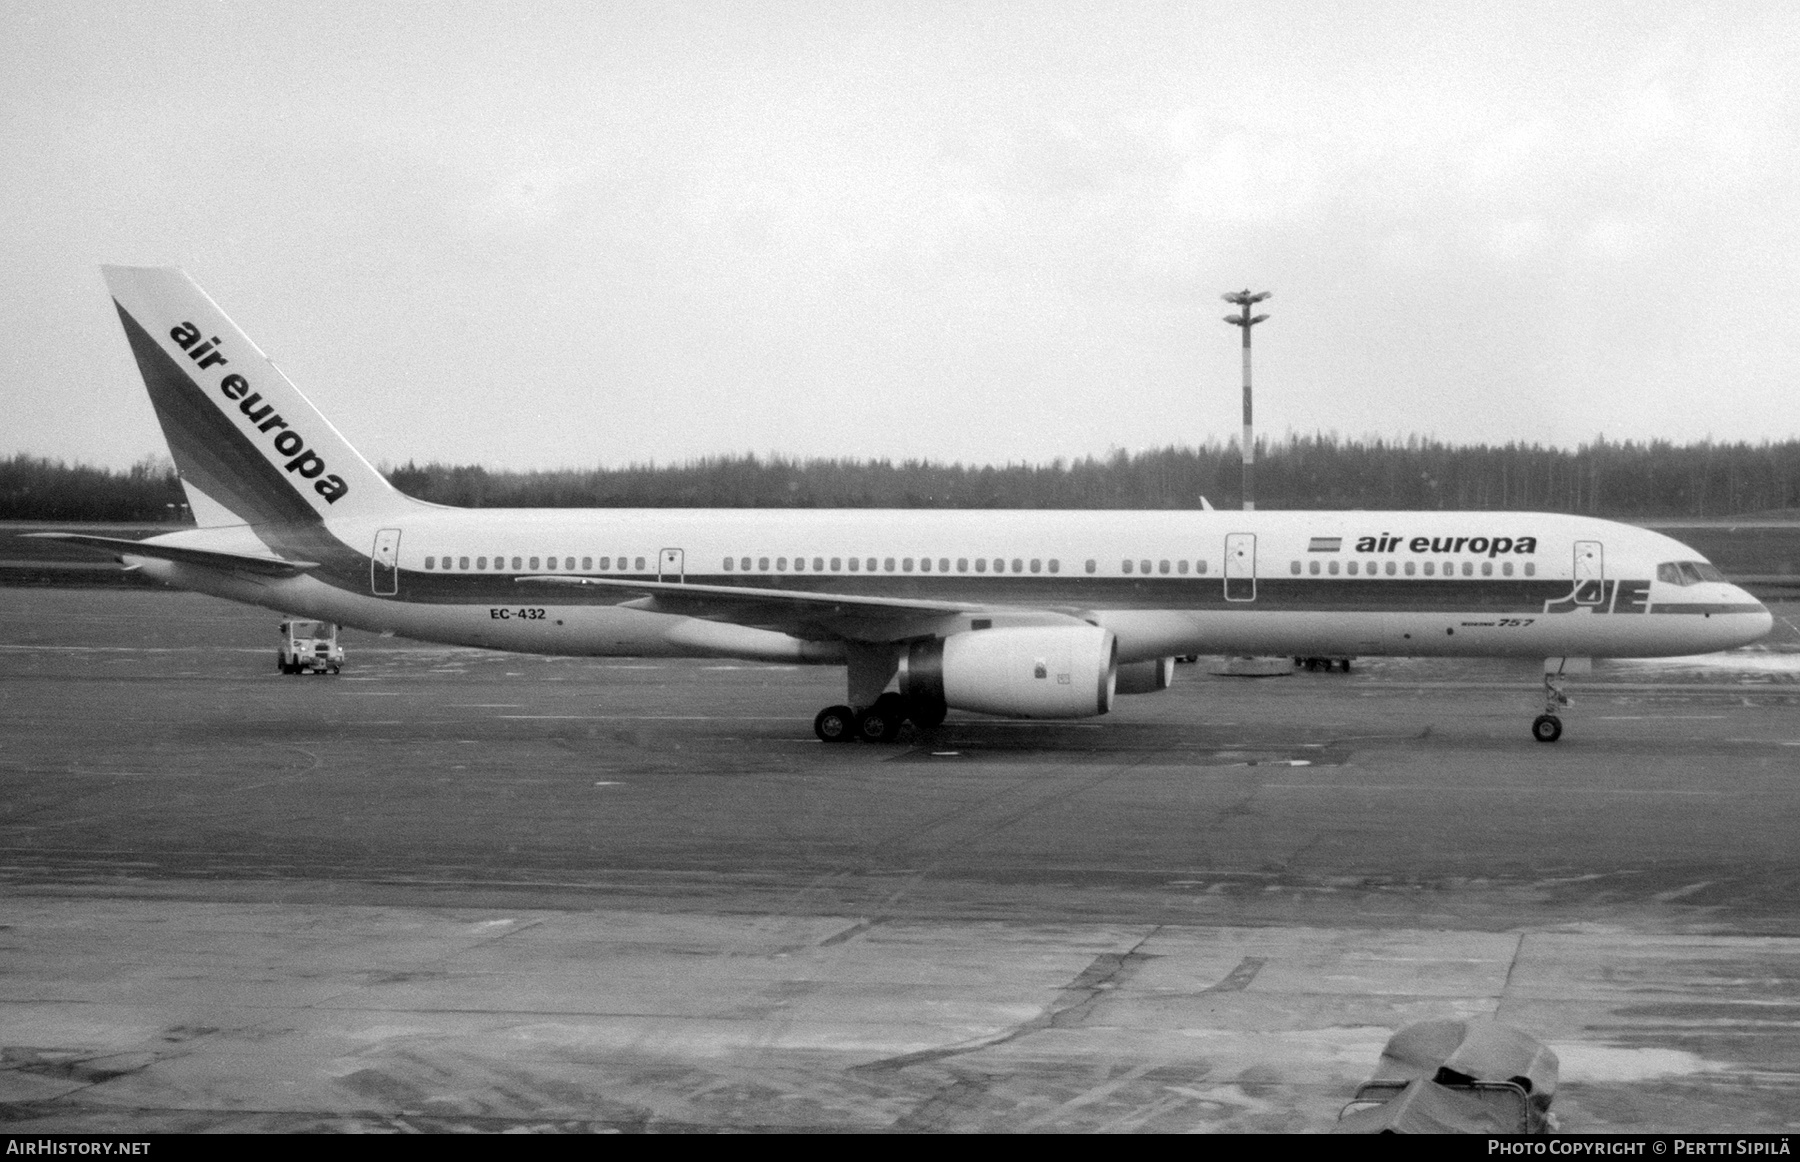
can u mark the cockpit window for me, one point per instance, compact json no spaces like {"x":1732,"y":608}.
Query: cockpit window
{"x":1687,"y":572}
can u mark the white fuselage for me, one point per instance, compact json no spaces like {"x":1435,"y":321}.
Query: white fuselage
{"x":1164,"y":582}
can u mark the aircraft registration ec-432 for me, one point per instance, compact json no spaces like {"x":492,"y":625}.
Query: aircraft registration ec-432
{"x":1033,"y":614}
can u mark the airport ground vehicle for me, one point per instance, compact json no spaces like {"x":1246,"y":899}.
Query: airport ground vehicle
{"x":309,"y":646}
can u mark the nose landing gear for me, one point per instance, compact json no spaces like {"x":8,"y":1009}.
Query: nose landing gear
{"x":1547,"y":727}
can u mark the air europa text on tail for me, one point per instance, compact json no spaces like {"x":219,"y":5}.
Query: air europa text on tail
{"x":303,"y":460}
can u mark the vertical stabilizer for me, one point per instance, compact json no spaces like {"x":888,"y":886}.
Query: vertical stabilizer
{"x":250,"y":448}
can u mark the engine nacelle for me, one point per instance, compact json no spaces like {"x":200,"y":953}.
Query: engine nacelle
{"x":1020,"y":672}
{"x":1146,"y":677}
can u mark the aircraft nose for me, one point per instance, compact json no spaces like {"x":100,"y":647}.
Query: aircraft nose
{"x":1758,"y":621}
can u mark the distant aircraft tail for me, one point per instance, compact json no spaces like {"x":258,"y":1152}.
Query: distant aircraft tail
{"x":250,"y":448}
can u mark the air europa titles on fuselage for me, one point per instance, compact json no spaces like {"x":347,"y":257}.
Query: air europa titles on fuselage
{"x":1492,"y":546}
{"x":288,"y":442}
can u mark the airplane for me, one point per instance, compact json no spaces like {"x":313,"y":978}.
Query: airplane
{"x":1026,"y":614}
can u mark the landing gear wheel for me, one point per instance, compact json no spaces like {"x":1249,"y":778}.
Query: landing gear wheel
{"x":835,"y":724}
{"x":882,"y":721}
{"x":1546,"y":728}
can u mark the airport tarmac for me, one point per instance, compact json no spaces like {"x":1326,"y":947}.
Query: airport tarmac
{"x":453,"y":889}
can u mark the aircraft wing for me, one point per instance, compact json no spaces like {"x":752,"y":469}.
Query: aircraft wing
{"x":215,"y":558}
{"x":797,"y":611}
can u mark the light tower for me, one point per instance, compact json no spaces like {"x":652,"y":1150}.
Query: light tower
{"x":1244,"y":301}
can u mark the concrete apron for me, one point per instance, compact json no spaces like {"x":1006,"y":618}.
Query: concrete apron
{"x":143,"y":1015}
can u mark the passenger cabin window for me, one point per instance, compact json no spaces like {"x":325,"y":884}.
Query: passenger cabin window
{"x":962,"y":565}
{"x":1037,"y":565}
{"x":1468,"y":568}
{"x":1092,"y":564}
{"x":943,"y":564}
{"x":1162,"y":566}
{"x":1333,"y":567}
{"x":1531,"y":568}
{"x":1389,"y":569}
{"x":818,"y":564}
{"x":1055,"y":565}
{"x":1487,"y":568}
{"x":1181,"y":566}
{"x":781,"y":564}
{"x":1294,"y":568}
{"x":1431,"y":568}
{"x":429,"y":562}
{"x":871,"y":564}
{"x":728,"y":564}
{"x":1410,"y":567}
{"x":981,"y":564}
{"x":1125,"y":565}
{"x":999,"y":565}
{"x":1018,"y":565}
{"x":1506,"y":568}
{"x":1313,"y":568}
{"x":481,"y":562}
{"x":587,"y":564}
{"x":1352,"y":568}
{"x":1199,"y":566}
{"x":1144,"y":566}
{"x":640,"y":564}
{"x":855,"y":564}
{"x":464,"y":565}
{"x":551,"y":563}
{"x":837,"y":565}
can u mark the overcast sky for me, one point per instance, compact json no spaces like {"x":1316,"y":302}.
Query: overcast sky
{"x":536,"y":235}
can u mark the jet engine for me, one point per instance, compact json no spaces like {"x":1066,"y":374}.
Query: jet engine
{"x":1019,"y":672}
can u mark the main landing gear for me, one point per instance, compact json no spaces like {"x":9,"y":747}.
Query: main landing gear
{"x":1547,"y":727}
{"x":880,"y":722}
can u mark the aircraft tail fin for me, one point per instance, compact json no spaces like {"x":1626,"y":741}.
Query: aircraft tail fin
{"x":249,"y":447}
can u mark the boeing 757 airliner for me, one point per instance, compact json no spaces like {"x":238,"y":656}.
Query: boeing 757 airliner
{"x":1025,"y":614}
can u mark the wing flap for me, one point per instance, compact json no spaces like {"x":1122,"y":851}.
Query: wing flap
{"x":213,"y":558}
{"x":831,"y":616}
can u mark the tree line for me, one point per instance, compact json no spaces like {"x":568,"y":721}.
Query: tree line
{"x":1656,"y":479}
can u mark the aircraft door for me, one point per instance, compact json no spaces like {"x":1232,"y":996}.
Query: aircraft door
{"x":1240,"y":566}
{"x":384,"y":564}
{"x":1590,"y":572}
{"x":668,"y":566}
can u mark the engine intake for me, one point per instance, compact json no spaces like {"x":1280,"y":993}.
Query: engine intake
{"x":1022,"y":672}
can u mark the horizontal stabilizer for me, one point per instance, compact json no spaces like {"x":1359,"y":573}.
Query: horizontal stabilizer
{"x":217,"y":559}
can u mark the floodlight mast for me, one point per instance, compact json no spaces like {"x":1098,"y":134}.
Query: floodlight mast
{"x":1245,"y":300}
